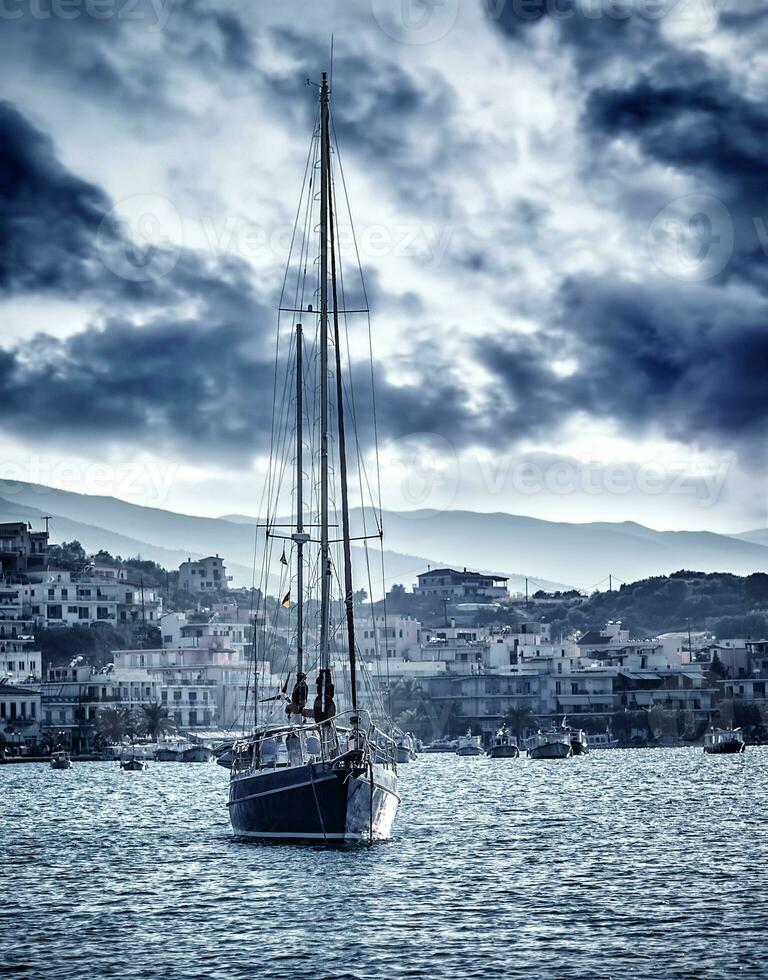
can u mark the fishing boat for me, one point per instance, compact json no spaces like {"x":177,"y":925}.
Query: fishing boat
{"x":327,"y":769}
{"x":602,"y":740}
{"x":504,"y":745}
{"x":552,"y":744}
{"x":133,"y":765}
{"x":469,"y":744}
{"x":406,"y":746}
{"x":176,"y":748}
{"x":724,"y":741}
{"x":60,"y":760}
{"x":442,"y":745}
{"x":579,"y":740}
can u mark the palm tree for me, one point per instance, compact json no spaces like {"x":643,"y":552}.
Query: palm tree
{"x":156,"y":720}
{"x":518,"y":718}
{"x":113,"y":724}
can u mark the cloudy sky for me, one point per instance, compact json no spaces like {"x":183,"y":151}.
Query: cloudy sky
{"x":561,"y":212}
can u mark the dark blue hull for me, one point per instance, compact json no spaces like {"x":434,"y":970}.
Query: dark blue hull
{"x":313,"y":802}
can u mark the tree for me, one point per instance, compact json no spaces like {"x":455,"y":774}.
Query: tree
{"x":717,"y":667}
{"x":69,"y":555}
{"x":746,"y":714}
{"x":113,"y":724}
{"x":156,"y":720}
{"x":518,"y":718}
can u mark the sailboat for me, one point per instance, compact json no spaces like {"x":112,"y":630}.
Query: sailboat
{"x":320,"y":773}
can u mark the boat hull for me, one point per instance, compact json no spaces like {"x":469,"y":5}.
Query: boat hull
{"x":314,"y":802}
{"x":552,"y":750}
{"x":725,"y":748}
{"x":404,"y":754}
{"x":504,"y":752}
{"x":468,"y":750}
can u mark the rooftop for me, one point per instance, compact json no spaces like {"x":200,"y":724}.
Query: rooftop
{"x":463,"y":575}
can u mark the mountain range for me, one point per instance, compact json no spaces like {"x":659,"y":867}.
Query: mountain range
{"x":552,"y":554}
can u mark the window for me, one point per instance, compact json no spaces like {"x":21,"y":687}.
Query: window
{"x":72,"y":609}
{"x":102,"y":612}
{"x":177,"y":695}
{"x":193,"y":695}
{"x":54,"y":612}
{"x":167,"y":638}
{"x":2,"y":709}
{"x":13,"y":710}
{"x":193,"y":717}
{"x":51,"y":593}
{"x":82,"y":612}
{"x":64,"y":594}
{"x":164,"y":696}
{"x":35,"y":610}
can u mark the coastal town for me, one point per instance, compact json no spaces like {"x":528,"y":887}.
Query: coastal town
{"x":184,"y":660}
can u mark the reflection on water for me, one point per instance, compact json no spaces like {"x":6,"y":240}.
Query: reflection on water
{"x":644,"y":863}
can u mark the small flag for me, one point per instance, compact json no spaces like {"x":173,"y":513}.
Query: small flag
{"x":283,"y":559}
{"x":286,"y":603}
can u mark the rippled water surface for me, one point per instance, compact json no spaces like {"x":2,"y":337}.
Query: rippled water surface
{"x":644,"y":863}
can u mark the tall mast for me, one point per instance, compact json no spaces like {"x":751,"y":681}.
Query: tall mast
{"x":324,"y":701}
{"x":349,"y":604}
{"x":300,"y":538}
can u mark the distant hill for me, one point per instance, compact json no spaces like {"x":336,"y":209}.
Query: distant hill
{"x":554,"y":555}
{"x":581,"y":554}
{"x":758,"y":536}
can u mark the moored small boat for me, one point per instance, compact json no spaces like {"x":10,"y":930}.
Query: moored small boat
{"x":553,"y":744}
{"x":469,"y":744}
{"x":602,"y":740}
{"x":724,"y":741}
{"x":579,"y":741}
{"x":133,"y":765}
{"x":174,"y":748}
{"x":406,"y":746}
{"x":442,"y":745}
{"x":504,"y":745}
{"x":60,"y":760}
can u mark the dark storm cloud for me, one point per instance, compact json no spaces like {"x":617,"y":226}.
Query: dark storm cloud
{"x":48,"y":217}
{"x":170,"y":383}
{"x":395,"y":120}
{"x":596,"y":32}
{"x":690,"y":116}
{"x":202,"y":381}
{"x":690,"y":363}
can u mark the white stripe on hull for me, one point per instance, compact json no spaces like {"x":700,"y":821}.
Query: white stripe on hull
{"x":284,"y":835}
{"x":282,"y":789}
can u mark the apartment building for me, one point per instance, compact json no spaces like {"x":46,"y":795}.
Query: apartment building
{"x":461,"y":586}
{"x":204,"y":576}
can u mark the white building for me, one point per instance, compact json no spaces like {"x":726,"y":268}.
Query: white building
{"x":204,"y":576}
{"x":390,"y":636}
{"x":58,"y":598}
{"x":448,"y":583}
{"x":20,"y":711}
